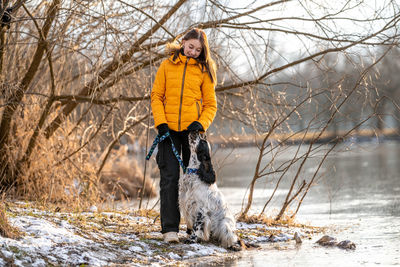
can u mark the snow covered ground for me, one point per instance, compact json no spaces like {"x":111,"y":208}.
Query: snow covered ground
{"x":104,"y":238}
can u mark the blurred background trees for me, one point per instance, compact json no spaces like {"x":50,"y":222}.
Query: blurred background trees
{"x":75,"y":78}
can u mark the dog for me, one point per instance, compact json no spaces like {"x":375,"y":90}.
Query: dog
{"x":201,"y":202}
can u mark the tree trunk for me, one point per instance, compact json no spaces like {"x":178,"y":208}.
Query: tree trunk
{"x":15,"y":99}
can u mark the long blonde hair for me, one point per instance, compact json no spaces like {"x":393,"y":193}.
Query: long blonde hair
{"x":205,"y":59}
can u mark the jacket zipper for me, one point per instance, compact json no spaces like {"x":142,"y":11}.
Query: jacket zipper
{"x":180,"y":104}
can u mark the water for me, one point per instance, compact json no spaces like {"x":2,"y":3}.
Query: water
{"x":357,"y":198}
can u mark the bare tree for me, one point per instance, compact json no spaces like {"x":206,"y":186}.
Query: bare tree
{"x":71,"y":71}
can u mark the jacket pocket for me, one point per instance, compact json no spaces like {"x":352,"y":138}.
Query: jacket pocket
{"x":198,"y":110}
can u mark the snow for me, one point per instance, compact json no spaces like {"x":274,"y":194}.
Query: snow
{"x":135,"y":249}
{"x":242,"y":225}
{"x":206,"y":250}
{"x":174,"y":256}
{"x":107,"y":238}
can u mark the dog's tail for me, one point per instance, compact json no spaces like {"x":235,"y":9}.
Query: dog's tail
{"x":226,"y":233}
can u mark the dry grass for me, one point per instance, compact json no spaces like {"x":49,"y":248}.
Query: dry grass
{"x":49,"y":178}
{"x":117,"y":223}
{"x":59,"y":175}
{"x":122,"y":178}
{"x":6,"y":229}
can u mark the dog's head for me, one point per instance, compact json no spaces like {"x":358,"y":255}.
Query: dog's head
{"x":201,"y":147}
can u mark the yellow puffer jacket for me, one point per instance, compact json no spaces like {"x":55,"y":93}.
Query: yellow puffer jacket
{"x":182,"y":93}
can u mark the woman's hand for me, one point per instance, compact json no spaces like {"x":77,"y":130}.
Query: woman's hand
{"x":162,"y":128}
{"x":195,"y":126}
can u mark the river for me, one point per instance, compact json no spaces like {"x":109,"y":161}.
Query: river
{"x":357,"y":198}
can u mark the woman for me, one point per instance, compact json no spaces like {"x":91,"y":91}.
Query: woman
{"x":182,"y":100}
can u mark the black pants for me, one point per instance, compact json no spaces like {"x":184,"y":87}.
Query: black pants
{"x":169,"y":182}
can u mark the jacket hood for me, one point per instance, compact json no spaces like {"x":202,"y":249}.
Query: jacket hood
{"x":182,"y":59}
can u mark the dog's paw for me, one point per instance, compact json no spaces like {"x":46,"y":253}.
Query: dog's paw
{"x":190,"y":241}
{"x":241,"y":244}
{"x":251,"y":245}
{"x":235,"y":247}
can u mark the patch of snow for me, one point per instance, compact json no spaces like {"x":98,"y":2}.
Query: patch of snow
{"x":174,"y":256}
{"x":284,"y":237}
{"x":280,"y":238}
{"x":39,"y":263}
{"x":64,"y":224}
{"x":18,"y":262}
{"x":51,"y":258}
{"x":202,"y":250}
{"x":40,"y":228}
{"x":143,"y":245}
{"x":259,"y":238}
{"x":189,"y":254}
{"x":242,"y":225}
{"x":6,"y":253}
{"x":58,"y":244}
{"x":131,"y":237}
{"x":135,"y":249}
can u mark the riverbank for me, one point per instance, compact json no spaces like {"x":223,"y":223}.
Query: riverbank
{"x":95,"y":238}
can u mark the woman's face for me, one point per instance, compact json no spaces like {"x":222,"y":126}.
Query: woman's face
{"x":192,"y":48}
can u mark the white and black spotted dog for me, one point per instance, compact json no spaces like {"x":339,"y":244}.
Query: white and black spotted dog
{"x":201,"y":202}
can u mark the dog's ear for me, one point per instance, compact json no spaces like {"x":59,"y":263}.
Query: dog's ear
{"x":206,"y":171}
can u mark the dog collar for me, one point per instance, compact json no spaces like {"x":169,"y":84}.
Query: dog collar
{"x":191,"y":170}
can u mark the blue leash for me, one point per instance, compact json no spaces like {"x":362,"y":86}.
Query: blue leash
{"x":158,"y":140}
{"x":191,"y":170}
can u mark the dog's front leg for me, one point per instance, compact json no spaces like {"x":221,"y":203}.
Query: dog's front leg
{"x":192,"y":238}
{"x":197,"y":231}
{"x":189,"y":231}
